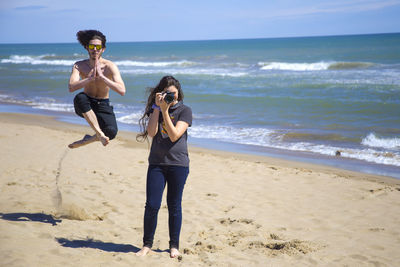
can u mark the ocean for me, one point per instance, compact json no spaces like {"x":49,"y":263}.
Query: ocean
{"x":296,"y":98}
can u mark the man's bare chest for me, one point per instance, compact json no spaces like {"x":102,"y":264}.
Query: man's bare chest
{"x":85,"y":70}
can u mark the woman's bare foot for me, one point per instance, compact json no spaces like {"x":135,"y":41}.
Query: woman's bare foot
{"x":173,"y":253}
{"x":143,"y":252}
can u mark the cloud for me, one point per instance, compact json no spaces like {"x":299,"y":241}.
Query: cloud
{"x":357,"y":6}
{"x":22,"y":8}
{"x":68,"y":10}
{"x":323,"y":8}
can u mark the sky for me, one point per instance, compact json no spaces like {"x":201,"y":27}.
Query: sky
{"x":52,"y":21}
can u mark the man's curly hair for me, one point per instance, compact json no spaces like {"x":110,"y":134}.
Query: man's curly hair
{"x":85,"y":36}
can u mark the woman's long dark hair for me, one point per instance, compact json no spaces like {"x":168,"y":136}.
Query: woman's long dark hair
{"x":165,"y":82}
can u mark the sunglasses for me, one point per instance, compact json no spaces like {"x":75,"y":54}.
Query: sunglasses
{"x":92,"y":46}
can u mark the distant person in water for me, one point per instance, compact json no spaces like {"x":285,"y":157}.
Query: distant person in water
{"x":96,"y":76}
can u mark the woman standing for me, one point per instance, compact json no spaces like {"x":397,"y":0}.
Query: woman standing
{"x":166,"y":120}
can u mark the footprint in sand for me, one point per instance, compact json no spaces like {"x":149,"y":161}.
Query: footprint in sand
{"x":230,"y":221}
{"x":201,"y":247}
{"x":380,"y":192}
{"x":275,"y":237}
{"x":291,"y":247}
{"x":376,"y":229}
{"x":359,"y":257}
{"x":228,"y":209}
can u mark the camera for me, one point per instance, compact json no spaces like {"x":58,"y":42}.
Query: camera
{"x":169,"y":97}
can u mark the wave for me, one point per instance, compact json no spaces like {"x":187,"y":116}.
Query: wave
{"x":293,"y":66}
{"x":294,"y":136}
{"x":372,"y":140}
{"x":369,"y":155}
{"x":187,"y":71}
{"x":54,"y":106}
{"x":75,"y":56}
{"x":232,"y":134}
{"x":130,"y":63}
{"x":275,"y":139}
{"x":316,"y":66}
{"x":131,"y":118}
{"x":70,"y":60}
{"x":39,"y":103}
{"x":349,"y":65}
{"x":377,"y":150}
{"x":37,"y":60}
{"x":187,"y":67}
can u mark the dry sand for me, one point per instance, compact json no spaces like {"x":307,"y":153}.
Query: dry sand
{"x":84,"y":207}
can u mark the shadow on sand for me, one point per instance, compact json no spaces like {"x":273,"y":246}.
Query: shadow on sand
{"x":96,"y":244}
{"x":88,"y":243}
{"x":34,"y":217}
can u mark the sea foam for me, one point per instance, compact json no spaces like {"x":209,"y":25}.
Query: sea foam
{"x":294,"y":66}
{"x":273,"y":139}
{"x":53,"y":106}
{"x":187,"y":71}
{"x":131,"y":63}
{"x":372,"y":140}
{"x":131,"y":118}
{"x":37,"y":60}
{"x":316,"y":66}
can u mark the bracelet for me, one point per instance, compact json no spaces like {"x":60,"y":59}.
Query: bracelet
{"x":155,"y":107}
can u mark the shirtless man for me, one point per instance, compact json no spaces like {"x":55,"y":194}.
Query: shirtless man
{"x":96,"y":76}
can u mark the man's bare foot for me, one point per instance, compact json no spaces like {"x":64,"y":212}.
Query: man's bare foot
{"x":173,"y":253}
{"x":87,"y":139}
{"x":103,"y":139}
{"x":143,"y":252}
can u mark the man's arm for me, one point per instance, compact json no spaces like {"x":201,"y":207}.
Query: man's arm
{"x":74,"y":81}
{"x":116,"y":84}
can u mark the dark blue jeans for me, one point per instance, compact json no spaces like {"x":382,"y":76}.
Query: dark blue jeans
{"x":157,"y":177}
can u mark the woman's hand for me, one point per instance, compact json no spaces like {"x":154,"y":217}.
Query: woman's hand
{"x":164,"y":106}
{"x":158,"y":99}
{"x":161,"y":102}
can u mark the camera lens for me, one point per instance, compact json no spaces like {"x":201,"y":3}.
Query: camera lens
{"x":169,"y":97}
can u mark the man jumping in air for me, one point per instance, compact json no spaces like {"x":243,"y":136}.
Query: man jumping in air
{"x":96,"y":76}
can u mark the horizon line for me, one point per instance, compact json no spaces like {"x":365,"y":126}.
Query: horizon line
{"x":223,"y":39}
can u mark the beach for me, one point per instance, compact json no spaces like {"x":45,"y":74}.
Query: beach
{"x":84,"y":207}
{"x":300,"y":99}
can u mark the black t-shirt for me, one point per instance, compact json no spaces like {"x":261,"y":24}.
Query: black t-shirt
{"x":165,"y":152}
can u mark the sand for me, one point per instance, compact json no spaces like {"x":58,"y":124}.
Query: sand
{"x":84,"y":207}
